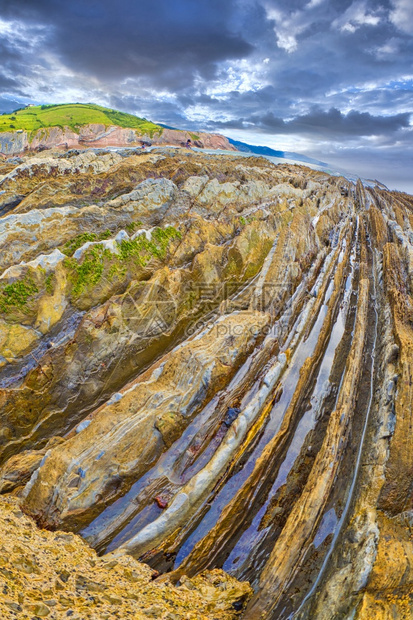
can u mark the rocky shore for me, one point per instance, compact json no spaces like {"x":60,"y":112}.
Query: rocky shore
{"x":205,"y":364}
{"x":56,"y":575}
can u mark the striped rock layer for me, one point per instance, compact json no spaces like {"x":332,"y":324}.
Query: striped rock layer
{"x":206,"y":363}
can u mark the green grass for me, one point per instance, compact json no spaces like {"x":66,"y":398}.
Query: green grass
{"x":14,"y":296}
{"x":74,"y":116}
{"x":90,"y":270}
{"x":49,"y":284}
{"x":98,"y":261}
{"x":244,"y":221}
{"x":74,"y":244}
{"x":133,"y":226}
{"x":142,"y":250}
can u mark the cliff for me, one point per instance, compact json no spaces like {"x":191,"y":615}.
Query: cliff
{"x":87,"y":125}
{"x":205,"y":364}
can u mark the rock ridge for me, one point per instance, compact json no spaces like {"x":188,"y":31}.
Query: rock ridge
{"x":205,"y":365}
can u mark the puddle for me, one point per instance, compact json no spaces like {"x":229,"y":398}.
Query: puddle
{"x":326,"y":528}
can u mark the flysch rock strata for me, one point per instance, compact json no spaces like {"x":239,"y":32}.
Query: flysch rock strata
{"x":206,"y":366}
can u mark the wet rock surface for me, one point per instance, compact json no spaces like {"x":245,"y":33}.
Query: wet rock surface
{"x":205,"y":364}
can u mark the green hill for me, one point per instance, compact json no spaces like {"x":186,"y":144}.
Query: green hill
{"x":73,"y":115}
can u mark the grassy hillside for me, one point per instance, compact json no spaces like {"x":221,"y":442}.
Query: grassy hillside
{"x":73,"y":115}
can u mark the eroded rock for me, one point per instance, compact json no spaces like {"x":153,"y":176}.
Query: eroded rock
{"x":129,"y":434}
{"x":56,"y":575}
{"x":224,"y":346}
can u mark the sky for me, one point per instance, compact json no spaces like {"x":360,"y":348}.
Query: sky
{"x":331,"y":79}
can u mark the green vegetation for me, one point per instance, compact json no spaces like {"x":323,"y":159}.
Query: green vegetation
{"x":133,"y":226}
{"x":90,"y":270}
{"x":231,"y":268}
{"x":74,"y":116}
{"x":98,"y":261}
{"x":49,"y":284}
{"x":194,"y":136}
{"x":142,"y":250}
{"x":244,"y":221}
{"x":14,"y":296}
{"x":74,"y":244}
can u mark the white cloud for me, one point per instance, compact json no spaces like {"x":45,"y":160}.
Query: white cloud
{"x":313,"y":3}
{"x":20,"y":36}
{"x":355,"y":16}
{"x":402,"y":15}
{"x":390,"y":48}
{"x":239,"y":75}
{"x":287,"y":28}
{"x":281,"y":142}
{"x":199,"y":113}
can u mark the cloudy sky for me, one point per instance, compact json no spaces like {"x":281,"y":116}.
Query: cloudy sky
{"x":332,"y":79}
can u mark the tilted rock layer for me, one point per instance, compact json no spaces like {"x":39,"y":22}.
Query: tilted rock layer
{"x":205,"y":363}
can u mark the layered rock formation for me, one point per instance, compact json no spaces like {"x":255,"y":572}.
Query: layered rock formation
{"x":99,"y":136}
{"x":205,"y":364}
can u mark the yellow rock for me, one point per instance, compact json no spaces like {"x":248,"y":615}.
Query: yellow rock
{"x":16,"y":339}
{"x":46,"y":574}
{"x":51,"y":307}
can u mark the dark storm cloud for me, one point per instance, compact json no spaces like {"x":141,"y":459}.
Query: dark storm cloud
{"x":328,"y":124}
{"x":168,"y":42}
{"x":174,"y":44}
{"x":8,"y":105}
{"x":7,"y":83}
{"x":334,"y":123}
{"x":159,"y":109}
{"x":328,"y":72}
